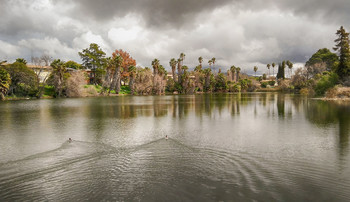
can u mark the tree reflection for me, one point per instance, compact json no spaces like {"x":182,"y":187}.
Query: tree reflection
{"x":324,"y":114}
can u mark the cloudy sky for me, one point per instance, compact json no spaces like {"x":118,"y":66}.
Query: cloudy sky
{"x":243,"y":33}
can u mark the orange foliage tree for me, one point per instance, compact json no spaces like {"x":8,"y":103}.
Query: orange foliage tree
{"x":127,"y":62}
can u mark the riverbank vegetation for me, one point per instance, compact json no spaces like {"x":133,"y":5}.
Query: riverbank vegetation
{"x":325,"y":73}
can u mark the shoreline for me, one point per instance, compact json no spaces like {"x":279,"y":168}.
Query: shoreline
{"x":338,"y":99}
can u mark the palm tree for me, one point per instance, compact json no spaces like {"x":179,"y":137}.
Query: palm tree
{"x":132,"y":71}
{"x":238,"y":70}
{"x":116,"y":63}
{"x":179,"y":70}
{"x":213,"y":60}
{"x":155,"y":65}
{"x":233,"y":70}
{"x":172,"y":64}
{"x":273,"y":68}
{"x":290,"y":66}
{"x":255,"y":69}
{"x":182,"y":57}
{"x":210,"y":62}
{"x":58,"y":70}
{"x":268,"y":67}
{"x":200,"y":60}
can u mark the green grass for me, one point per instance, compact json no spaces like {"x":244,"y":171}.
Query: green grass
{"x":124,"y":90}
{"x":49,"y":91}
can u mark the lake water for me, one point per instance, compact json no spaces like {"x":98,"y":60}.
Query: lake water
{"x":228,"y":147}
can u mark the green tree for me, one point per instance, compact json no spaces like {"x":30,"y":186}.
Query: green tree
{"x":73,"y":65}
{"x":21,"y":60}
{"x":324,"y":56}
{"x":221,"y":82}
{"x":94,"y":58}
{"x":280,"y":73}
{"x":5,"y":81}
{"x":342,"y":46}
{"x":273,"y":68}
{"x":24,"y":81}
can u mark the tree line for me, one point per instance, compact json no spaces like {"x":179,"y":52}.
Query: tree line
{"x":110,"y":74}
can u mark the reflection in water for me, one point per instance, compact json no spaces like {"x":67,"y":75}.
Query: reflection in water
{"x":325,"y":114}
{"x":253,"y":146}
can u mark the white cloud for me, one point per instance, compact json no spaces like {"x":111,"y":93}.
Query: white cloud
{"x":50,"y":46}
{"x":8,"y":49}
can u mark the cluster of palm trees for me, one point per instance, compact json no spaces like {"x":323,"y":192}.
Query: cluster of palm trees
{"x":234,"y":72}
{"x":284,"y":64}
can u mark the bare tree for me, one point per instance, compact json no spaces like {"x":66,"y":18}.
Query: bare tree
{"x":46,"y":59}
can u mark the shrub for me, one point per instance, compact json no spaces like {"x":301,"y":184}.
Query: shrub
{"x":285,"y":85}
{"x":75,"y":84}
{"x":271,"y":83}
{"x":326,"y":82}
{"x":304,"y":91}
{"x":244,"y":83}
{"x":49,"y":90}
{"x":264,"y":84}
{"x":235,"y":88}
{"x":253,"y":85}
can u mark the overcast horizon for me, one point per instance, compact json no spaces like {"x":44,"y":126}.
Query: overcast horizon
{"x":242,"y":33}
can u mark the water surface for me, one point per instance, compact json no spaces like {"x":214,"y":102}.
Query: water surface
{"x":231,"y":147}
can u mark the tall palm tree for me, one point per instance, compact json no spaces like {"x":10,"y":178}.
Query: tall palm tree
{"x":238,"y":70}
{"x":200,"y":60}
{"x":182,"y":57}
{"x":179,"y":70}
{"x":116,"y":63}
{"x":268,"y":67}
{"x":273,"y":68}
{"x":172,"y":64}
{"x":155,"y":65}
{"x":132,"y":71}
{"x":214,"y":60}
{"x":233,"y":70}
{"x":210,"y":62}
{"x":255,"y":69}
{"x":58,"y":70}
{"x":290,"y":66}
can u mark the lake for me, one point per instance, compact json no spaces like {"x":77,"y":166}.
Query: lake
{"x":221,"y":147}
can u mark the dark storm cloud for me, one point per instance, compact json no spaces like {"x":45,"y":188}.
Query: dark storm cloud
{"x":156,"y":13}
{"x":179,"y":12}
